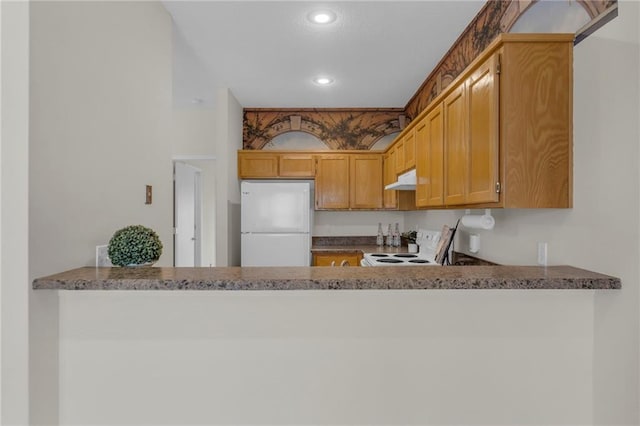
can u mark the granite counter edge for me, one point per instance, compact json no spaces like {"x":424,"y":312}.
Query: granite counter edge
{"x":598,"y":282}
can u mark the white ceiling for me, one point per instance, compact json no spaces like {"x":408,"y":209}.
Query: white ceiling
{"x":267,"y":53}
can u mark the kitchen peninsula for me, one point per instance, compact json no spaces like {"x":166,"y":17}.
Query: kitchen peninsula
{"x":327,"y":278}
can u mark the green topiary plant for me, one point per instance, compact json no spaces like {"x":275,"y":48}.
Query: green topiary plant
{"x":134,"y":245}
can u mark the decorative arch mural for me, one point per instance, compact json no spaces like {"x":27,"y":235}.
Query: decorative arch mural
{"x":342,"y":129}
{"x":339,"y":129}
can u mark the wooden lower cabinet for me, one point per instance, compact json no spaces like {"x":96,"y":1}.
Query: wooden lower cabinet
{"x":337,"y":259}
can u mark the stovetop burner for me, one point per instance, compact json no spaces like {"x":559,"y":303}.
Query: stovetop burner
{"x":406,"y":255}
{"x":389,"y":261}
{"x":379,"y":255}
{"x":418,"y":261}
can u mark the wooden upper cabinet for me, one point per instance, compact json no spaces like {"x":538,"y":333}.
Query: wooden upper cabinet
{"x":332,"y":182}
{"x":275,"y":164}
{"x":455,"y":150}
{"x":536,"y":112}
{"x":399,"y":160}
{"x":430,"y":159}
{"x":500,"y":135}
{"x":254,"y":164}
{"x":390,"y":197}
{"x":409,"y":144}
{"x":422,"y":163}
{"x":297,"y":165}
{"x":366,"y":181}
{"x":482,"y":140}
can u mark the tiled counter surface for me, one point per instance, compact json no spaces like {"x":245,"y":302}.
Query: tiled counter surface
{"x":323,"y":278}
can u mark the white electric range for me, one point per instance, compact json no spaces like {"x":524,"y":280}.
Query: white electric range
{"x":427,"y":241}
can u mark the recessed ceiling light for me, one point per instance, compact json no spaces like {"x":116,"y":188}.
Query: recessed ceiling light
{"x":322,"y":17}
{"x":323,"y":81}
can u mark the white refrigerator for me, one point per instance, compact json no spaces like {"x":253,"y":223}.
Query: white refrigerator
{"x":276,"y":222}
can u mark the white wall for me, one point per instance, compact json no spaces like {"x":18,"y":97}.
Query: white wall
{"x":322,"y":357}
{"x":327,"y":223}
{"x":100,"y":127}
{"x":602,"y":231}
{"x":194,"y":143}
{"x":14,"y":151}
{"x":228,"y":141}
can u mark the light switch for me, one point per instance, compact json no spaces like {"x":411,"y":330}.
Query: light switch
{"x":149,"y":194}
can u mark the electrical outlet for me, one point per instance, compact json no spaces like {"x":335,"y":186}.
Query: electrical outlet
{"x":542,"y":254}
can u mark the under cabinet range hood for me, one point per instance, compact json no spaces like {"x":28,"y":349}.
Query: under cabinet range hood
{"x":406,"y":182}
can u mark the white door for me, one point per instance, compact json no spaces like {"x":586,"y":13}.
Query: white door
{"x":187,"y":215}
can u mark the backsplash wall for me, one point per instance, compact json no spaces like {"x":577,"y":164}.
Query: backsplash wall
{"x":354,"y":223}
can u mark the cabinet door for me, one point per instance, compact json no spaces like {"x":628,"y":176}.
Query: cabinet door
{"x":409,"y":144}
{"x":399,"y":156}
{"x":337,"y":259}
{"x":482,"y":92}
{"x":257,"y":165}
{"x":435,"y":156}
{"x":422,"y":163}
{"x":297,"y":165}
{"x":332,"y":181}
{"x":390,"y":197}
{"x":430,"y":159}
{"x":455,"y":150}
{"x":366,"y":181}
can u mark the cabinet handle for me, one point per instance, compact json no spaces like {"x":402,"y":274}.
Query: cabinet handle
{"x":345,"y":263}
{"x":498,"y":187}
{"x":333,"y":263}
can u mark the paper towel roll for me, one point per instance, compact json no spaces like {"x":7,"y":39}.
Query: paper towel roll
{"x":474,"y":243}
{"x":478,"y":222}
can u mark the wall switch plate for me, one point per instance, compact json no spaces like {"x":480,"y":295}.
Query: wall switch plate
{"x":542,"y":254}
{"x":149,"y":194}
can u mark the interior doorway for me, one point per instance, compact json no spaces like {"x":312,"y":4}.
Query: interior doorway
{"x":204,"y":244}
{"x":187,"y":215}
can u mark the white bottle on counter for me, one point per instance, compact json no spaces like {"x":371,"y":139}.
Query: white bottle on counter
{"x":380,"y":237}
{"x":389,"y":237}
{"x":396,"y":236}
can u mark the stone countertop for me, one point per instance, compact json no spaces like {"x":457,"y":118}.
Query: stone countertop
{"x":323,"y":278}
